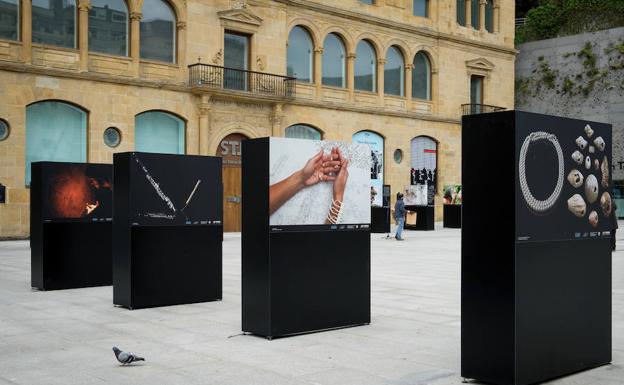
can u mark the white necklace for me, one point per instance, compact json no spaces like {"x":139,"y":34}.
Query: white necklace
{"x":540,"y":206}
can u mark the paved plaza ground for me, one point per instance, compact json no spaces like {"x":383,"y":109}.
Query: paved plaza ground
{"x":65,"y":337}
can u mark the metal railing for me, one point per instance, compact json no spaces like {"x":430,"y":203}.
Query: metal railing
{"x":520,"y":21}
{"x":471,"y":108}
{"x":259,"y":83}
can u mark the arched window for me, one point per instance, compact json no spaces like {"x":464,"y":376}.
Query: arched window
{"x":461,"y":12}
{"x":421,"y":77}
{"x":424,"y":154}
{"x":489,"y":16}
{"x":108,"y":27}
{"x":55,"y":131}
{"x":394,"y":72}
{"x":421,"y":8}
{"x":375,"y":142}
{"x":157,"y":131}
{"x":54,"y":22}
{"x":9,"y":19}
{"x":303,"y":131}
{"x":365,"y":67}
{"x":300,"y":55}
{"x":158,"y":31}
{"x":334,"y":63}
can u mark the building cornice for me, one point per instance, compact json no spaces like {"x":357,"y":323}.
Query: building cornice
{"x":217,"y":94}
{"x":396,"y":26}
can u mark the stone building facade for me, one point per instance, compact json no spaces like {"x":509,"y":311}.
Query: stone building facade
{"x":112,"y":90}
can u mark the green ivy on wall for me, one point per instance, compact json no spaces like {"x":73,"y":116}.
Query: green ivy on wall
{"x":581,"y":82}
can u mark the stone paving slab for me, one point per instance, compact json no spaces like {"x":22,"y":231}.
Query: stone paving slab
{"x":65,"y":337}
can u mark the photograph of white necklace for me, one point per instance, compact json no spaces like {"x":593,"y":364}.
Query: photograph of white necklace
{"x":540,"y":206}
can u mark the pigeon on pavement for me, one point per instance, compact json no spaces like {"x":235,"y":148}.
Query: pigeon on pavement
{"x":126,"y":357}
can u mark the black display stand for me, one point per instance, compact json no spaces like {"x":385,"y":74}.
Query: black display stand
{"x":68,"y":251}
{"x":166,"y":254}
{"x":531,"y":310}
{"x":380,"y":219}
{"x":452,"y":216}
{"x":425,"y":219}
{"x":297,"y":280}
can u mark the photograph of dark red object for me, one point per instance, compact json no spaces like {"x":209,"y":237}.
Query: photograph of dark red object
{"x":77,"y":191}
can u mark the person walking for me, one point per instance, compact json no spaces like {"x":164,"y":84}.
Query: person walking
{"x":615,"y":224}
{"x":399,"y":216}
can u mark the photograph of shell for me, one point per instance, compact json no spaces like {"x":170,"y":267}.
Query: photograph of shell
{"x":563,"y":179}
{"x":175,"y":189}
{"x":314,"y":182}
{"x":76,"y":191}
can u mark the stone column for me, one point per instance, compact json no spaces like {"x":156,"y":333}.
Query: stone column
{"x":351,"y":75}
{"x":276,"y":119}
{"x":26,"y":30}
{"x":135,"y":41}
{"x":381,"y":63}
{"x":318,"y":70}
{"x":408,"y":82}
{"x":181,"y":48}
{"x":482,"y":15}
{"x":204,"y":124}
{"x":83,"y":33}
{"x":496,"y":17}
{"x":468,"y":12}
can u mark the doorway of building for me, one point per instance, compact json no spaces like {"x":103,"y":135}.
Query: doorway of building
{"x":230,"y":150}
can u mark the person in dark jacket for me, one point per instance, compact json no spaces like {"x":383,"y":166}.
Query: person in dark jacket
{"x":399,"y":215}
{"x":615,"y":223}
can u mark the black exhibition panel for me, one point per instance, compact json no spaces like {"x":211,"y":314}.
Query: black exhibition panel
{"x":452,"y":216}
{"x":167,"y":229}
{"x":70,"y":225}
{"x":425,"y":219}
{"x":380,"y":219}
{"x":300,"y":278}
{"x":536,"y":264}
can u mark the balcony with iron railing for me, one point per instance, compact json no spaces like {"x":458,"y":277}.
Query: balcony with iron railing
{"x":211,"y":77}
{"x":473,"y":108}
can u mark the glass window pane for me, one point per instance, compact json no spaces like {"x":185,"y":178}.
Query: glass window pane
{"x":158,"y":26}
{"x":461,"y":12}
{"x":476,"y":93}
{"x":54,"y":22}
{"x":421,"y":77}
{"x":421,"y":8}
{"x":235,"y":57}
{"x":303,"y":131}
{"x":370,"y":2}
{"x":365,"y":67}
{"x":394,"y":72}
{"x":474,"y":14}
{"x":334,"y":61}
{"x":55,"y":131}
{"x":489,"y":16}
{"x":108,"y":27}
{"x":9,"y":19}
{"x":157,"y":131}
{"x":300,"y":55}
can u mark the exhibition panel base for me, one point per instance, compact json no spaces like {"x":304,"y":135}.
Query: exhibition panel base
{"x":536,"y":263}
{"x":305,"y":256}
{"x":167,"y":229}
{"x":70,"y":225}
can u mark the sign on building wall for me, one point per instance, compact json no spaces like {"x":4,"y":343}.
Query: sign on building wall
{"x":376,"y":144}
{"x":230,"y":150}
